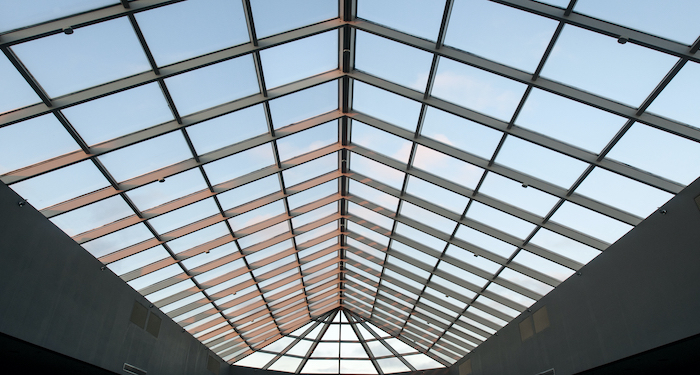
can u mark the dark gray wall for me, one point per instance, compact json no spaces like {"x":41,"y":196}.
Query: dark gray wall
{"x":53,"y":294}
{"x":641,"y":293}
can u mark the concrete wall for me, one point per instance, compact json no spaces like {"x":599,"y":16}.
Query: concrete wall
{"x":641,"y":293}
{"x":53,"y":294}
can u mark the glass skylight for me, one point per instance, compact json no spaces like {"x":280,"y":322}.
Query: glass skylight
{"x":288,"y":194}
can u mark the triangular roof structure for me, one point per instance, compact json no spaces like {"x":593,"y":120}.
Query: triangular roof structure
{"x":421,"y":172}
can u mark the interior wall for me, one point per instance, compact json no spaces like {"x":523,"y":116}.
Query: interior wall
{"x":639,"y":294}
{"x":54,"y":294}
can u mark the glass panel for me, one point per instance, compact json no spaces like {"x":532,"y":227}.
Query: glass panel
{"x":568,"y":121}
{"x":276,"y":16}
{"x":476,"y":261}
{"x":420,"y":256}
{"x":599,"y":64}
{"x":500,"y":33}
{"x":564,"y":246}
{"x":437,"y":195}
{"x":368,"y":233}
{"x":464,"y":294}
{"x":399,"y":346}
{"x":16,"y":92}
{"x":385,"y":106}
{"x":239,"y":164}
{"x":61,"y":185}
{"x":286,"y":364}
{"x":256,"y":360}
{"x":303,"y":346}
{"x":543,"y":265}
{"x":212,"y":85}
{"x":321,"y":366}
{"x":328,"y":228}
{"x":540,"y":162}
{"x":476,"y":89}
{"x":511,"y":295}
{"x":93,"y":216}
{"x":462,"y":274}
{"x":352,"y":350}
{"x":314,"y":215}
{"x":213,"y":254}
{"x":300,"y":59}
{"x":228,"y":129}
{"x":257,"y":215}
{"x":422,"y":362}
{"x":428,"y":218}
{"x":92,"y":55}
{"x":211,"y":26}
{"x":249,"y":192}
{"x":376,"y":171}
{"x":590,"y":222}
{"x":514,"y":193}
{"x":447,"y":167}
{"x":420,"y":237}
{"x":118,"y":240}
{"x":309,"y":170}
{"x":146,"y":156}
{"x":356,"y":367}
{"x":460,"y":133}
{"x":21,"y":14}
{"x":500,"y":220}
{"x":48,"y":139}
{"x":183,"y":216}
{"x":676,"y":100}
{"x":380,"y":57}
{"x":674,"y":22}
{"x":392,"y":365}
{"x":313,"y":194}
{"x":371,"y":216}
{"x":419,"y":18}
{"x":157,"y":193}
{"x":304,"y":104}
{"x":380,"y":141}
{"x":658,"y":152}
{"x":373,"y":195}
{"x":264,"y":234}
{"x":622,"y":192}
{"x":139,"y":260}
{"x":307,"y":140}
{"x":105,"y":118}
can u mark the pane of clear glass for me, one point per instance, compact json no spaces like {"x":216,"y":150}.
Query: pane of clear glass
{"x":300,"y":59}
{"x":352,"y":350}
{"x":105,"y":118}
{"x":213,"y":254}
{"x":622,"y":192}
{"x":373,"y":195}
{"x":211,"y":26}
{"x":146,"y":156}
{"x":564,"y":246}
{"x":419,"y":256}
{"x":420,"y":237}
{"x":543,"y":265}
{"x":212,"y":85}
{"x":249,"y":192}
{"x":264,"y":235}
{"x":392,"y":365}
{"x":277,"y":16}
{"x":20,"y":14}
{"x":498,"y":306}
{"x":321,"y":366}
{"x":428,"y":218}
{"x":314,"y":215}
{"x":118,"y":240}
{"x":257,"y":215}
{"x":269,"y":251}
{"x":599,"y":64}
{"x":313,"y":194}
{"x":511,"y":295}
{"x":399,"y":346}
{"x":92,"y":55}
{"x":303,"y":346}
{"x":304,"y":104}
{"x":183,"y":216}
{"x":419,"y":18}
{"x":437,"y":195}
{"x":409,"y":269}
{"x":239,"y":164}
{"x":286,"y":363}
{"x":48,"y":137}
{"x":447,"y":167}
{"x":93,"y":216}
{"x":540,"y":162}
{"x":422,"y":362}
{"x":327,"y":228}
{"x":309,"y":170}
{"x":590,"y":222}
{"x":307,"y":140}
{"x":460,"y":133}
{"x":380,"y":141}
{"x":658,"y":152}
{"x":462,"y":274}
{"x":469,"y":258}
{"x":16,"y":92}
{"x":500,"y":33}
{"x":256,"y":360}
{"x":139,"y":260}
{"x":381,"y":57}
{"x":525,"y":281}
{"x":386,"y":106}
{"x":676,"y":100}
{"x":673,"y":22}
{"x":176,"y":186}
{"x":477,"y":89}
{"x":376,"y":171}
{"x":485,"y":241}
{"x":357,"y":366}
{"x":61,"y":185}
{"x":500,"y":220}
{"x":514,"y":193}
{"x":454,"y":288}
{"x":368,"y":233}
{"x":568,"y":121}
{"x":162,"y":274}
{"x":370,"y":216}
{"x":228,"y":129}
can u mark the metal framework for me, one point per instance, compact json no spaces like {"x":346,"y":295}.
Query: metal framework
{"x":282,"y":275}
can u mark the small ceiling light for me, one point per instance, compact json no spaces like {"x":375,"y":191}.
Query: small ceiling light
{"x":622,"y":40}
{"x":161,"y":180}
{"x":663,"y":212}
{"x":103,"y":268}
{"x":524,"y":185}
{"x":68,"y":30}
{"x":22,"y":202}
